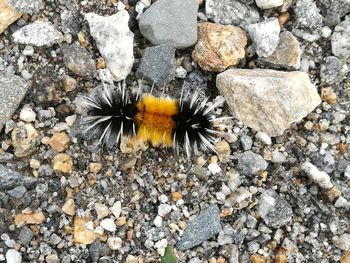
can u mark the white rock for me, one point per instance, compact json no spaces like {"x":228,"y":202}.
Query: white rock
{"x":181,"y":72}
{"x":326,"y":32}
{"x":163,"y":199}
{"x":158,"y":221}
{"x":116,"y":209}
{"x":114,"y":40}
{"x":70,"y":120}
{"x":278,"y":157}
{"x":263,"y":137}
{"x":214,"y":168}
{"x":164,"y":209}
{"x":114,"y":243}
{"x":342,"y":242}
{"x":108,"y":224}
{"x":13,"y":256}
{"x":266,"y":4}
{"x":341,"y":40}
{"x":342,"y":203}
{"x":105,"y":76}
{"x":28,"y":51}
{"x":37,"y":34}
{"x":317,"y":176}
{"x":101,"y":210}
{"x":140,"y":6}
{"x":27,"y":114}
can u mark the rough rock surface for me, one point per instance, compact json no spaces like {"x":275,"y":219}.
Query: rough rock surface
{"x":267,"y":4}
{"x":341,"y":39}
{"x":12,"y":90}
{"x":37,"y":34}
{"x":268,"y":100}
{"x":333,"y":71}
{"x":219,"y":46}
{"x":265,"y":36}
{"x":334,"y":10}
{"x":8,"y":15}
{"x":170,"y":22}
{"x":10,"y":179}
{"x":158,"y":65}
{"x":250,"y":163}
{"x":286,"y":55}
{"x":28,"y":7}
{"x":307,"y":15}
{"x":231,"y":12}
{"x":114,"y":40}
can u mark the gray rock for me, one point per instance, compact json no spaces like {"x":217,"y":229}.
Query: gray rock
{"x":341,"y":40}
{"x":78,"y":60}
{"x":274,"y":210}
{"x":286,"y":54}
{"x":171,"y":21}
{"x":265,"y":36}
{"x":158,"y":65}
{"x":332,"y":71}
{"x":246,"y":142}
{"x":201,"y":228}
{"x":200,"y":172}
{"x":250,"y":163}
{"x":94,"y":250}
{"x":268,"y":100}
{"x":10,"y":179}
{"x":307,"y":15}
{"x":37,"y":34}
{"x":342,"y":242}
{"x":12,"y":92}
{"x":17,"y":192}
{"x":70,"y":21}
{"x":25,"y":235}
{"x":114,"y":40}
{"x":231,"y":12}
{"x":28,"y":7}
{"x":334,"y":10}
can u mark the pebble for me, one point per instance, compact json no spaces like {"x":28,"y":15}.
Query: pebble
{"x":267,"y":4}
{"x":265,"y":36}
{"x":246,"y":142}
{"x":25,"y":235}
{"x":70,"y":21}
{"x":331,"y":195}
{"x":78,"y":60}
{"x":317,"y":176}
{"x":114,"y":243}
{"x":250,"y":163}
{"x":8,"y":15}
{"x":24,"y":139}
{"x":28,"y":7}
{"x":101,"y":210}
{"x":62,"y":162}
{"x":158,"y":65}
{"x":345,"y":258}
{"x":116,"y":209}
{"x":201,"y":228}
{"x":342,"y":242}
{"x":214,"y":168}
{"x":239,"y":199}
{"x":59,"y":141}
{"x":340,"y":40}
{"x":231,"y":12}
{"x":181,"y":72}
{"x":10,"y":179}
{"x":200,"y":172}
{"x":69,"y":207}
{"x":13,"y":256}
{"x":158,"y":221}
{"x":52,"y":258}
{"x":332,"y":71}
{"x":38,"y":34}
{"x":30,"y":219}
{"x":28,"y":51}
{"x":307,"y":15}
{"x":69,"y":84}
{"x":17,"y":192}
{"x":83,"y":234}
{"x":263,"y":137}
{"x":278,"y":157}
{"x":248,"y":94}
{"x":164,"y":209}
{"x":108,"y":224}
{"x":328,"y":95}
{"x":114,"y":41}
{"x":170,"y":21}
{"x":208,"y":52}
{"x":70,"y":120}
{"x":342,"y":203}
{"x":12,"y":90}
{"x":95,"y":167}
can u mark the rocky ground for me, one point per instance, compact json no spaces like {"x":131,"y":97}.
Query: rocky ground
{"x":279,"y":188}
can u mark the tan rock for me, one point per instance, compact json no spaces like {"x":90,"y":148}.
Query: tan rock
{"x":82,"y":234}
{"x":328,"y":95}
{"x":8,"y":15}
{"x":280,"y":256}
{"x":63,"y":163}
{"x":176,"y":196}
{"x":268,"y":100}
{"x":95,"y":167}
{"x":30,"y":219}
{"x":69,"y":83}
{"x":259,"y":259}
{"x":52,"y":258}
{"x":132,"y":145}
{"x":69,"y":207}
{"x":286,"y":54}
{"x":345,"y":258}
{"x":59,"y":141}
{"x":101,"y":210}
{"x":24,"y":139}
{"x":331,"y":195}
{"x":219,"y":46}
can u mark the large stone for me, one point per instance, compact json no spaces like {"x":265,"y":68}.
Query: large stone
{"x":12,"y":92}
{"x":286,"y":54}
{"x":268,"y":100}
{"x":201,"y":228}
{"x":37,"y":34}
{"x":307,"y":15}
{"x":341,"y":40}
{"x":10,"y":179}
{"x":29,"y":7}
{"x":171,"y":22}
{"x":231,"y":12}
{"x":114,"y":40}
{"x":250,"y":163}
{"x":334,"y":10}
{"x":219,"y":46}
{"x":8,"y":15}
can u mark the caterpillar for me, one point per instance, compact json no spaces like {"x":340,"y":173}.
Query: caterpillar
{"x":160,"y":120}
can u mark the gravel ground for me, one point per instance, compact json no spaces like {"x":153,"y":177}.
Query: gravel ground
{"x":277,"y":191}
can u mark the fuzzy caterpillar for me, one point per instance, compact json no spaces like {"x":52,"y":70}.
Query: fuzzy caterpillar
{"x":159,"y":120}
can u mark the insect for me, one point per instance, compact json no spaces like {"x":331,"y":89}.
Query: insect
{"x":162,"y":121}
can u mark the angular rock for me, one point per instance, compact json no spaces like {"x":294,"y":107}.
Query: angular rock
{"x":341,"y":40}
{"x":37,"y":34}
{"x":78,"y":60}
{"x":286,"y":54}
{"x":158,"y":65}
{"x":8,"y":15}
{"x":219,"y":46}
{"x":319,"y":177}
{"x":84,"y":235}
{"x":24,"y":139}
{"x":201,"y":228}
{"x":251,"y":163}
{"x":170,"y":22}
{"x":114,"y":40}
{"x":17,"y":192}
{"x":30,"y":219}
{"x":13,"y":256}
{"x":267,"y":4}
{"x":231,"y":12}
{"x":62,"y":162}
{"x":70,"y":21}
{"x":307,"y":15}
{"x":25,"y":235}
{"x":10,"y":179}
{"x":334,"y":10}
{"x":12,"y":92}
{"x":28,"y":7}
{"x":265,"y":36}
{"x":332,"y":71}
{"x":268,"y":100}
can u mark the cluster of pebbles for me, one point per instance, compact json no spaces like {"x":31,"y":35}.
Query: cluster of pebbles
{"x":278,"y":190}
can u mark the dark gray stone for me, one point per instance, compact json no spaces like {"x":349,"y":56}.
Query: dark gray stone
{"x":94,"y":250}
{"x":171,"y":21}
{"x":70,"y":21}
{"x":250,"y":163}
{"x":25,"y":235}
{"x":332,"y":71}
{"x":201,"y":228}
{"x":10,"y":179}
{"x":158,"y":65}
{"x":231,"y":12}
{"x":334,"y":8}
{"x":307,"y":15}
{"x":12,"y":91}
{"x":17,"y":192}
